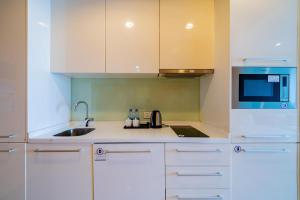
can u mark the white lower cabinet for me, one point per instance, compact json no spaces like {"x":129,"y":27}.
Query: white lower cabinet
{"x":199,"y":194}
{"x":59,"y":172}
{"x":264,"y":172}
{"x":12,"y":171}
{"x":129,"y":172}
{"x":197,"y":171}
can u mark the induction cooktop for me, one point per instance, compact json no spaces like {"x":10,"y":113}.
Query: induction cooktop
{"x":188,"y":131}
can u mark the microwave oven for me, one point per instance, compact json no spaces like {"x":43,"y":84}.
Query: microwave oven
{"x":264,"y":87}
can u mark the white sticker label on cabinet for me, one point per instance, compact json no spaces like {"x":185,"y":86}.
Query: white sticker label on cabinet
{"x":273,"y":78}
{"x":100,"y":155}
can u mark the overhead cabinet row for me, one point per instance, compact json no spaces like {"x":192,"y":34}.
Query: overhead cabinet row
{"x":132,"y":36}
{"x":142,"y":36}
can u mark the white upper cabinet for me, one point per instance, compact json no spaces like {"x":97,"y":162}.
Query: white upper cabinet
{"x":78,"y":36}
{"x":264,"y":32}
{"x":13,"y":71}
{"x":186,"y":34}
{"x":132,"y":32}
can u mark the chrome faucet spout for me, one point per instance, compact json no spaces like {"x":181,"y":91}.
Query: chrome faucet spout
{"x":87,"y":119}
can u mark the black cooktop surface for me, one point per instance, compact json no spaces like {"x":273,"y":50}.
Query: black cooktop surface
{"x":188,"y":131}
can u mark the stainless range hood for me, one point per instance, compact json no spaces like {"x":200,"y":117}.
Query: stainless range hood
{"x":184,"y":72}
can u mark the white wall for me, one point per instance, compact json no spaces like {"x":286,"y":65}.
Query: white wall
{"x":214,"y":90}
{"x":49,"y":95}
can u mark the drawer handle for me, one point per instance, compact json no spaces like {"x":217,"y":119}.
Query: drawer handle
{"x":57,"y":151}
{"x":265,"y":59}
{"x":264,"y":150}
{"x":141,"y":151}
{"x":199,"y":151}
{"x":7,"y":136}
{"x":8,"y":150}
{"x":264,"y":136}
{"x":217,"y":197}
{"x":197,"y":174}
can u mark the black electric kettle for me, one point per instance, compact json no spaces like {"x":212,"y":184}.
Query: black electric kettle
{"x":155,"y":119}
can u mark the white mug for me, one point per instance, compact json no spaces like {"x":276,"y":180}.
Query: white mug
{"x":136,"y":123}
{"x":128,"y":123}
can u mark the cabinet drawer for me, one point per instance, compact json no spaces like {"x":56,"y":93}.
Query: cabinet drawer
{"x":216,"y":194}
{"x":197,"y":154}
{"x":197,"y":177}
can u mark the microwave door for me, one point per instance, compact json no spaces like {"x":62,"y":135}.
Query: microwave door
{"x":259,"y":88}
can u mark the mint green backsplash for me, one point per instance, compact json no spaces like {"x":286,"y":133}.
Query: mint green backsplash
{"x":110,"y":99}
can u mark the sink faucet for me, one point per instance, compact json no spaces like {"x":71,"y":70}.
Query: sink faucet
{"x":87,"y":119}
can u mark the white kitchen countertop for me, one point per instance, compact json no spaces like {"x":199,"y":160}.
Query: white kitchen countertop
{"x":113,"y":132}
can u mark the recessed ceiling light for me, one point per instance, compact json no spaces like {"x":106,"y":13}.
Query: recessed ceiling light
{"x":129,"y":24}
{"x":189,"y":26}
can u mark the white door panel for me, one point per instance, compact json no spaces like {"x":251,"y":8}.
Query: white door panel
{"x":264,"y":32}
{"x":132,"y":31}
{"x":78,"y":36}
{"x":12,"y":171}
{"x":59,"y":172}
{"x":13,"y":71}
{"x":263,"y":125}
{"x":264,"y":172}
{"x":129,"y":171}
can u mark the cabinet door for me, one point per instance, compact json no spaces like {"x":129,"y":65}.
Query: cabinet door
{"x":13,"y":70}
{"x":12,"y":171}
{"x":265,"y":171}
{"x":78,"y":36}
{"x":186,"y":34}
{"x":129,"y":171}
{"x":264,"y":32}
{"x":132,"y":31}
{"x":263,"y":125}
{"x":59,"y":172}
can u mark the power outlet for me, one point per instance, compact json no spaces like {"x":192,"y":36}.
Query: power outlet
{"x":147,"y":115}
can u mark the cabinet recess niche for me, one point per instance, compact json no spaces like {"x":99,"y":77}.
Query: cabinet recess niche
{"x":78,"y":36}
{"x":186,"y":34}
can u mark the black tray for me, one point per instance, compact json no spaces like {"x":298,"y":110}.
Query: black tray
{"x":142,"y":126}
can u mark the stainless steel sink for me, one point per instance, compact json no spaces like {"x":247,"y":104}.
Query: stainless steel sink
{"x":75,"y":132}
